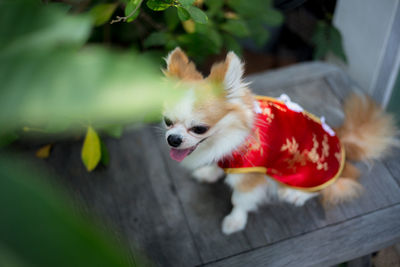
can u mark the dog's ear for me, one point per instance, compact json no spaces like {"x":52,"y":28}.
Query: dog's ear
{"x":230,"y":73}
{"x":179,"y":66}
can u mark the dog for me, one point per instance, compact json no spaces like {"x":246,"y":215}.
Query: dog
{"x":268,"y":148}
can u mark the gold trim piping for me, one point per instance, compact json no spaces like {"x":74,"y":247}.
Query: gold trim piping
{"x":246,"y":170}
{"x":306,"y":189}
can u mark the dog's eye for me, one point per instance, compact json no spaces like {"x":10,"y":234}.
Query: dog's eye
{"x":167,"y":121}
{"x":200,"y":129}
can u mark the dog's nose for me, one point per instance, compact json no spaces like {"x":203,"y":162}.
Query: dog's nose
{"x":174,"y":140}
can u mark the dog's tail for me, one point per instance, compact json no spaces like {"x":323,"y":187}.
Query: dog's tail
{"x":368,"y":133}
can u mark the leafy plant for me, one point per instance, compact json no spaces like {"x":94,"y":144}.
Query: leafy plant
{"x":202,"y":28}
{"x":327,"y":38}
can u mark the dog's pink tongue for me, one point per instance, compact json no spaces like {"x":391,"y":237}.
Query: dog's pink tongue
{"x":179,"y":154}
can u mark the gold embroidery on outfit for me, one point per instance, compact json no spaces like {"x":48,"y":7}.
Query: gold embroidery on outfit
{"x":338,"y":156}
{"x":292,"y":147}
{"x":268,"y":112}
{"x":254,"y":144}
{"x":277,"y":106}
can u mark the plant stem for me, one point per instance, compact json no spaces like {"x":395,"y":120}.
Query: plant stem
{"x":118,"y":19}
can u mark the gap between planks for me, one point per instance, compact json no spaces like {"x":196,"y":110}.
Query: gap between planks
{"x":293,"y":238}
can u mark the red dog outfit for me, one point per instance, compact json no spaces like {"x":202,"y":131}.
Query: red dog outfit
{"x":290,"y":145}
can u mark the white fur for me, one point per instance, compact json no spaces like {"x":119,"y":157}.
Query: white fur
{"x":183,"y":109}
{"x":218,"y":145}
{"x":243,"y":202}
{"x":295,"y":197}
{"x":208,"y":173}
{"x":233,"y":80}
{"x":181,"y":113}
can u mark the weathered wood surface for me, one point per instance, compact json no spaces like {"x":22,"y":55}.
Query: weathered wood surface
{"x":154,"y":205}
{"x":327,"y":246}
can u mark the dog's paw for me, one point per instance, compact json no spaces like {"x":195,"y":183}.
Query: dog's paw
{"x":296,"y":197}
{"x":234,"y":222}
{"x":208,"y":174}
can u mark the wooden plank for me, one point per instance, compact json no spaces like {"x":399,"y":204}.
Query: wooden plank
{"x":364,"y":261}
{"x":341,"y":84}
{"x":291,"y":75}
{"x":327,"y":246}
{"x":204,"y":205}
{"x":392,"y":162}
{"x":313,"y":95}
{"x":134,"y":195}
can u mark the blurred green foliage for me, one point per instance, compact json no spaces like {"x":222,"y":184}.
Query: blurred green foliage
{"x":52,"y":84}
{"x":69,"y":86}
{"x":38,"y":227}
{"x":327,"y":39}
{"x":201,"y":27}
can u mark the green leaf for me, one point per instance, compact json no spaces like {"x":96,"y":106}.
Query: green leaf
{"x":212,"y":36}
{"x":232,"y":44}
{"x":186,"y":2}
{"x":273,"y":17}
{"x":44,"y":151}
{"x":156,"y":39}
{"x":171,"y":18}
{"x":7,"y":138}
{"x":215,"y":39}
{"x":10,"y":258}
{"x":199,"y":45}
{"x":171,"y":44}
{"x":327,"y":39}
{"x":236,"y":27}
{"x":259,"y":33}
{"x":105,"y":156}
{"x":183,"y":14}
{"x":130,"y":7}
{"x":320,"y":41}
{"x":42,"y":214}
{"x":102,"y":13}
{"x":197,"y":14}
{"x":250,"y":9}
{"x":114,"y":130}
{"x":214,"y":6}
{"x":158,"y":5}
{"x":50,"y":28}
{"x":91,"y":150}
{"x":337,"y":43}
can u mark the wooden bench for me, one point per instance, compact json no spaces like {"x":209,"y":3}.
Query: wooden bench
{"x":154,"y":205}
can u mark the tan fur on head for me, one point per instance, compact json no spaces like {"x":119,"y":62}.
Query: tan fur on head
{"x":179,"y":66}
{"x":344,"y":189}
{"x":368,"y":132}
